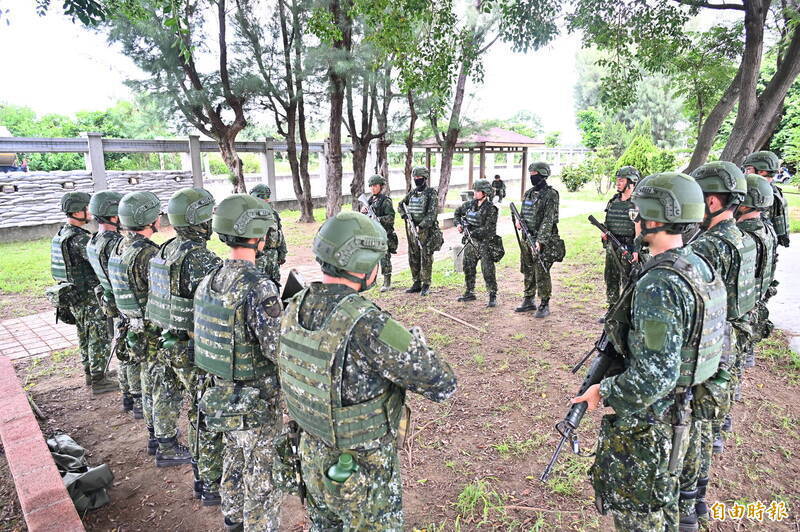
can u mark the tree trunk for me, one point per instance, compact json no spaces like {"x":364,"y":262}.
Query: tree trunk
{"x":410,"y":139}
{"x":451,"y":137}
{"x":382,"y":160}
{"x":227,"y":148}
{"x":360,"y":152}
{"x":294,"y":83}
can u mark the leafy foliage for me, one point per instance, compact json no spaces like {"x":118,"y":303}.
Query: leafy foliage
{"x":647,"y":157}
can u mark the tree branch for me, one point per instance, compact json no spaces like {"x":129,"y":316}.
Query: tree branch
{"x":709,"y":5}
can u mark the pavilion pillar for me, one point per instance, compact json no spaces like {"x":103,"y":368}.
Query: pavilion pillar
{"x":469,"y":173}
{"x":428,"y":159}
{"x":524,"y":172}
{"x":482,"y":174}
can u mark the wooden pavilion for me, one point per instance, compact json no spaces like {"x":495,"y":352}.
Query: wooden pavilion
{"x":494,"y":140}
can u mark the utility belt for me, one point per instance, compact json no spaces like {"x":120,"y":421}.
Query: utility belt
{"x":228,"y":406}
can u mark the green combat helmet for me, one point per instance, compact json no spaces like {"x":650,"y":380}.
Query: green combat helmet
{"x":762,"y":160}
{"x":377,"y":179}
{"x":759,"y":193}
{"x":420,"y":171}
{"x":240,"y":217}
{"x":630,"y":173}
{"x":74,"y":202}
{"x":261,"y":191}
{"x":722,"y":177}
{"x":190,"y":206}
{"x":104,"y":205}
{"x":671,"y":198}
{"x":350,"y":242}
{"x":139,"y":209}
{"x":483,"y":185}
{"x":542,"y":167}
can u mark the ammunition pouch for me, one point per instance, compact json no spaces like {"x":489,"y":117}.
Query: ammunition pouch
{"x":283,"y":463}
{"x":712,"y":399}
{"x":63,"y":296}
{"x":555,"y":250}
{"x":497,"y":251}
{"x":229,"y":408}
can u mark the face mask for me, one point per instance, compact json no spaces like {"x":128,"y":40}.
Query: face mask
{"x":420,"y":182}
{"x":537,"y":181}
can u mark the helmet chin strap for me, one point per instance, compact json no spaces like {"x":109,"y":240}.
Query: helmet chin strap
{"x":364,"y":283}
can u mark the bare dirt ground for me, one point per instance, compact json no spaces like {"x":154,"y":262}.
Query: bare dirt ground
{"x":471,"y":463}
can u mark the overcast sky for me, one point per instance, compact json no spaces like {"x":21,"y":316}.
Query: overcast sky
{"x":55,"y":66}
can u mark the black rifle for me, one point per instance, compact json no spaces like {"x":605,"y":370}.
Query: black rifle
{"x":516,"y":218}
{"x":294,"y":284}
{"x":365,"y":202}
{"x":465,"y":229}
{"x":615,"y":243}
{"x":294,"y":440}
{"x":412,"y":227}
{"x":607,"y":360}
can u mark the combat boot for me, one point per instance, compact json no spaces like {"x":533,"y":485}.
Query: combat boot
{"x":425,"y":290}
{"x":718,"y":446}
{"x":737,"y":393}
{"x":688,"y":522}
{"x":468,"y":296}
{"x":492,"y":300}
{"x":387,"y":283}
{"x":103,"y":384}
{"x":601,"y":320}
{"x":197,"y":488}
{"x":527,"y":304}
{"x":87,"y":378}
{"x":127,"y":402}
{"x":727,"y":424}
{"x":171,"y":453}
{"x":414,"y":289}
{"x":211,"y":496}
{"x":138,"y":412}
{"x":750,"y":359}
{"x":152,"y":442}
{"x":230,"y":526}
{"x":544,"y":309}
{"x":700,"y":507}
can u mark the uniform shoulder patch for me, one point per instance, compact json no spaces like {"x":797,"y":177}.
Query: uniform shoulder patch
{"x":395,"y":335}
{"x":655,"y":334}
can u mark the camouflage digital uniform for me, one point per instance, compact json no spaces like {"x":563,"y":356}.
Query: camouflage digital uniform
{"x":269,"y":259}
{"x":630,"y":473}
{"x":384,"y":214}
{"x":70,"y":263}
{"x":779,"y":215}
{"x":249,"y":426}
{"x":178,"y":374}
{"x":766,"y":245}
{"x":102,"y":243}
{"x":379,"y":358}
{"x":499,"y":187}
{"x":540,"y":211}
{"x":420,"y":261}
{"x":617,"y":268}
{"x":481,"y":221}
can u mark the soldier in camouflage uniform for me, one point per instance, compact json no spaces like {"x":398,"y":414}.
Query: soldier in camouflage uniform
{"x":381,"y":210}
{"x":540,"y":212}
{"x":618,"y":268}
{"x":270,"y":259}
{"x":498,"y":189}
{"x":345,"y":366}
{"x":732,"y":253}
{"x":421,"y":204}
{"x":175,"y":272}
{"x":128,"y":270}
{"x":750,"y":219}
{"x":479,"y":218}
{"x":766,"y":164}
{"x":103,"y":207}
{"x":236,"y":327}
{"x":669,"y":331}
{"x":77,"y":281}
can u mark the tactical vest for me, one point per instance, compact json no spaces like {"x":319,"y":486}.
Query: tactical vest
{"x":765,"y":266}
{"x":310,"y":365}
{"x":165,"y":305}
{"x":68,"y":269}
{"x":221,"y":345}
{"x":617,"y":219}
{"x":473,"y":216}
{"x":101,"y":244}
{"x":778,"y":212}
{"x":741,"y":294}
{"x":497,"y":185}
{"x":702,"y":352}
{"x":131,"y":303}
{"x":416,"y":206}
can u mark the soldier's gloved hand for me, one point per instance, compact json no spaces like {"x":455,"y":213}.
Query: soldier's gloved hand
{"x":364,"y":210}
{"x":591,"y":397}
{"x":783,"y":240}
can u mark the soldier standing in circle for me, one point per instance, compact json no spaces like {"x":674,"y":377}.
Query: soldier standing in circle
{"x":270,"y":259}
{"x":498,"y":189}
{"x":766,"y":164}
{"x":103,"y":207}
{"x":669,"y":330}
{"x":70,"y":265}
{"x":750,"y":219}
{"x":175,"y":272}
{"x":128,"y":270}
{"x":422,"y":206}
{"x":540,"y":211}
{"x":732,"y":253}
{"x":345,"y":366}
{"x":381,"y":210}
{"x":479,"y":216}
{"x":618,"y":268}
{"x":236,"y":328}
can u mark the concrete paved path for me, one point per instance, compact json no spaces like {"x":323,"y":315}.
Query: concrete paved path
{"x":38,"y":334}
{"x":784,"y":308}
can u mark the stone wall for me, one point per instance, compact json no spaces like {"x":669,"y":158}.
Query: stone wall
{"x":33,"y":198}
